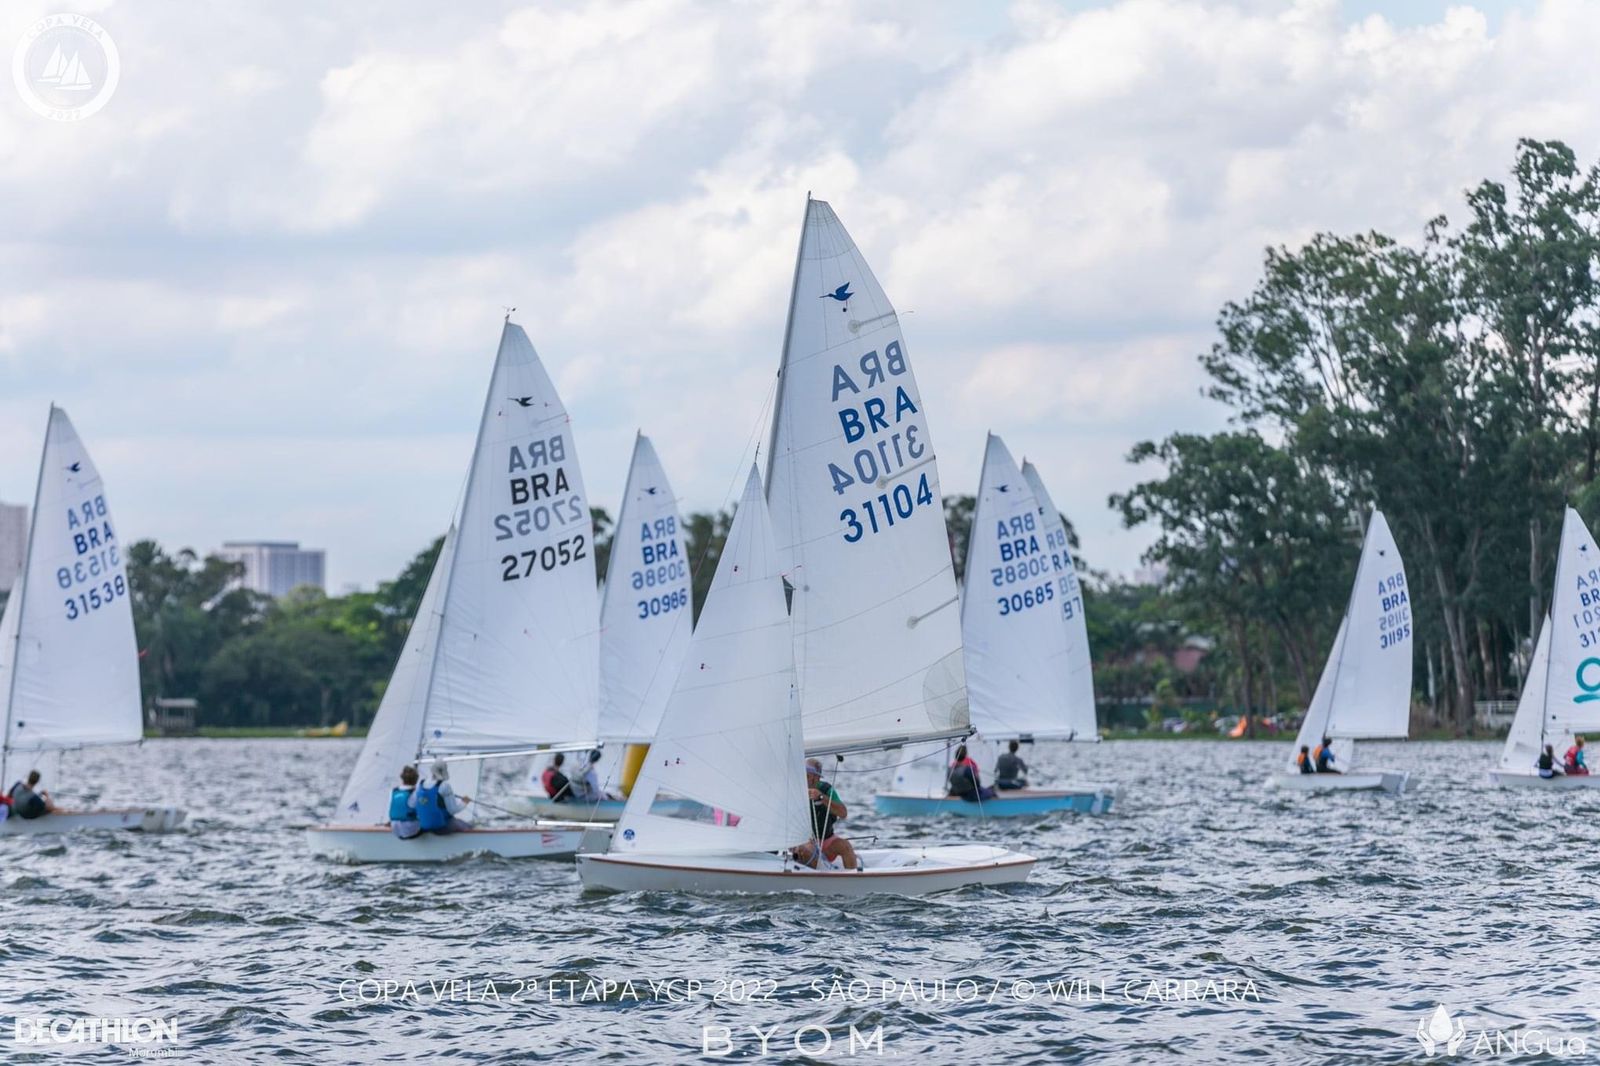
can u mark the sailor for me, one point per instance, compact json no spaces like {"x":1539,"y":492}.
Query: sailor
{"x":554,"y":782}
{"x":28,"y":800}
{"x":1010,"y":772}
{"x":826,"y":809}
{"x":1547,"y":763}
{"x":402,"y":819}
{"x":1324,"y":757}
{"x":964,"y":781}
{"x":1303,"y":760}
{"x":586,"y":782}
{"x":1573,"y":762}
{"x":437,"y":804}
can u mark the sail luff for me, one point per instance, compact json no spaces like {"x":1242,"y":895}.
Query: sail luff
{"x":21,"y":597}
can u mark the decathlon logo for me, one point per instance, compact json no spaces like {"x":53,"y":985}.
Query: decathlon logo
{"x":61,"y":1029}
{"x":1588,"y":679}
{"x":66,"y":67}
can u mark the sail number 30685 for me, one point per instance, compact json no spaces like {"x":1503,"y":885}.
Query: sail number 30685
{"x":882,"y":511}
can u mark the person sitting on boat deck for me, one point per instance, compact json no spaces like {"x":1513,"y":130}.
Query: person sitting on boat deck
{"x":964,"y":781}
{"x":1324,"y":757}
{"x":1547,"y":763}
{"x":437,"y":804}
{"x":554,"y":782}
{"x":402,"y":819}
{"x":1010,"y":772}
{"x":1303,"y":760}
{"x":826,"y":808}
{"x":1573,"y":764}
{"x":30,"y":801}
{"x":586,"y":787}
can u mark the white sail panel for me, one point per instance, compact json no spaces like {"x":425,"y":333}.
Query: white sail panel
{"x":856,"y":507}
{"x":1314,"y":726}
{"x":1016,"y":648}
{"x":1372,"y":686}
{"x":730,"y":737}
{"x":393,"y":739}
{"x":75,"y":675}
{"x":518,"y":656}
{"x":1526,"y":741}
{"x":1572,"y":685}
{"x":646,"y":607}
{"x":1081,"y":721}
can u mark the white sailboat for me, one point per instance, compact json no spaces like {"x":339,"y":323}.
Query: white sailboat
{"x":645,"y":623}
{"x":503,"y":656}
{"x":730,"y":741}
{"x":1028,"y":672}
{"x":1365,"y":688}
{"x":69,"y":663}
{"x":1561,"y":694}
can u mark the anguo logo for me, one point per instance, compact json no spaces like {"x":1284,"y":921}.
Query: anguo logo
{"x":66,"y":67}
{"x":1438,"y":1031}
{"x":1589,"y":680}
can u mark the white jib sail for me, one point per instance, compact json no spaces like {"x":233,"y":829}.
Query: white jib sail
{"x":72,"y":673}
{"x":517,"y":662}
{"x":856,"y":507}
{"x":645,"y":609}
{"x":1081,"y":721}
{"x":1572,"y":682}
{"x":1017,"y":663}
{"x":730,"y":737}
{"x":1526,"y":741}
{"x":1367,"y":678}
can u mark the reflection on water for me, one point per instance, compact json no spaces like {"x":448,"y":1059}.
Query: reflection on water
{"x":1351,"y":917}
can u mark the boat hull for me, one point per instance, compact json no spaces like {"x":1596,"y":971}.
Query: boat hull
{"x":602,"y":811}
{"x":140,"y":819}
{"x":1085,"y":799}
{"x":1353,"y":781}
{"x":893,"y":871}
{"x":362,"y":844}
{"x":1524,"y":779}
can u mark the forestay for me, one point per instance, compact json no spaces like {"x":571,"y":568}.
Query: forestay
{"x":1081,"y":721}
{"x":1365,"y":687}
{"x":645,"y":609}
{"x":730,"y":736}
{"x":857,"y":512}
{"x":70,"y":671}
{"x":1526,"y":740}
{"x":1017,"y":665}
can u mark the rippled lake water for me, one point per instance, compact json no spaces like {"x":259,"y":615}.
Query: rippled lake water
{"x":1338,"y":922}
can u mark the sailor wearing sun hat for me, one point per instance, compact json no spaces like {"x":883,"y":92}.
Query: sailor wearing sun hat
{"x":437,"y":804}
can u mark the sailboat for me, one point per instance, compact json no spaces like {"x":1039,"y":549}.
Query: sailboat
{"x":1561,"y":694}
{"x":731,"y":741}
{"x":503,"y":655}
{"x":644,"y":621}
{"x":69,"y":663}
{"x":1365,"y":688}
{"x":1028,"y":672}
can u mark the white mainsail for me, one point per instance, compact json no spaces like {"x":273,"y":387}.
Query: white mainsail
{"x":856,"y":508}
{"x":645,"y":609}
{"x":1365,"y":688}
{"x":730,"y":736}
{"x":1017,"y":662}
{"x":69,"y":674}
{"x":1082,"y":723}
{"x":1568,"y":693}
{"x":1526,"y":740}
{"x":504,"y":654}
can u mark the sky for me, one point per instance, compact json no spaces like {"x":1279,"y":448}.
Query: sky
{"x":267,"y":278}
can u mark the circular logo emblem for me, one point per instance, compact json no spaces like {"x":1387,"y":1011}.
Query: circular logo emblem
{"x":66,"y":67}
{"x":627,"y":834}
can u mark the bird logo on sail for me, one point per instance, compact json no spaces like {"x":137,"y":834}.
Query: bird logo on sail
{"x":1439,"y":1029}
{"x":76,"y":468}
{"x":522,"y":401}
{"x":842,"y":294}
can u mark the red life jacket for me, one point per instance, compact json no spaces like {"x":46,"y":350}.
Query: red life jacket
{"x":544,"y":779}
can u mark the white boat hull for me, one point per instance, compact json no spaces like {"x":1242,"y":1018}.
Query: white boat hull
{"x":361,"y":844}
{"x":897,"y":871}
{"x":608,"y":810}
{"x":1353,"y":781}
{"x":1528,"y":779}
{"x":143,"y":819}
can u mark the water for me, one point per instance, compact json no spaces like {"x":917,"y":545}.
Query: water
{"x":1342,"y":919}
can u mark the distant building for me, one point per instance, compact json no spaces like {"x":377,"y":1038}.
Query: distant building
{"x":275,"y":567}
{"x":13,"y":543}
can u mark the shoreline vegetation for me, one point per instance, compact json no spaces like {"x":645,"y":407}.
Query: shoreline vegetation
{"x":287,"y":733}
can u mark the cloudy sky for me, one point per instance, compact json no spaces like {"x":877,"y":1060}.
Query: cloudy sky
{"x":267,"y":278}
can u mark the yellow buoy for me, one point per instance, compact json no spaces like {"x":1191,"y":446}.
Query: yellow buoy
{"x":632,"y":760}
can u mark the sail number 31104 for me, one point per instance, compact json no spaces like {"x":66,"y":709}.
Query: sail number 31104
{"x":883,"y":510}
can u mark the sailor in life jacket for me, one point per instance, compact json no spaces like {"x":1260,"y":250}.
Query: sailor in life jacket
{"x":1547,"y":763}
{"x":436,"y":803}
{"x":1573,"y":763}
{"x":964,"y":780}
{"x":554,"y":782}
{"x":1323,"y":757}
{"x":1303,"y":760}
{"x":402,"y":819}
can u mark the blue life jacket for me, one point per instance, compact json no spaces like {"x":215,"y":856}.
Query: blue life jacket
{"x":400,"y":806}
{"x":431,"y":814}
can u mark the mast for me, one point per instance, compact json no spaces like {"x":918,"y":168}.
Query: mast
{"x":22,"y":595}
{"x":1561,"y":560}
{"x":783,"y":360}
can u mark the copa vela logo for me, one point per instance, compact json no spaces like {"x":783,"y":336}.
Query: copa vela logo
{"x":66,"y":67}
{"x":64,"y":1029}
{"x":1440,"y":1034}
